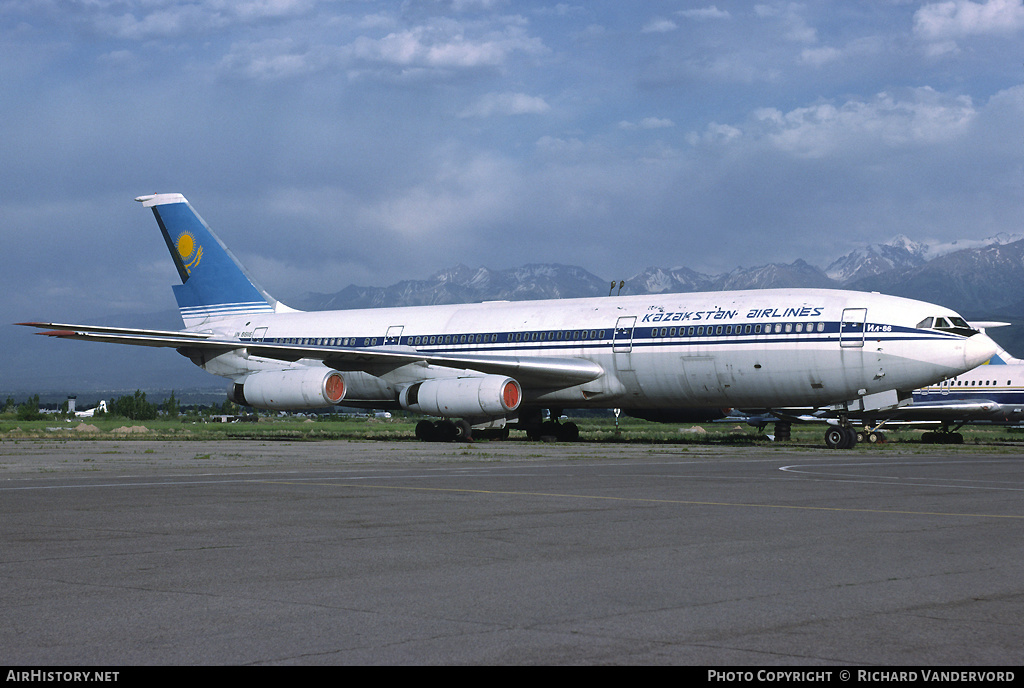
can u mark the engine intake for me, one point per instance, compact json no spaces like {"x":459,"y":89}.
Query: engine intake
{"x":488,"y":396}
{"x":286,"y":390}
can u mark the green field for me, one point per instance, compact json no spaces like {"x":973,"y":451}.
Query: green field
{"x":374,"y":429}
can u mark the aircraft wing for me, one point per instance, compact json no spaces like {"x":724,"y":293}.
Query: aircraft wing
{"x":535,"y":371}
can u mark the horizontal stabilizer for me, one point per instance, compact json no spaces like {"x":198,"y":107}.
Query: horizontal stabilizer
{"x":65,"y":329}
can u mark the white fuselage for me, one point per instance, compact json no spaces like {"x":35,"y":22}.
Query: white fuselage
{"x":777,"y":347}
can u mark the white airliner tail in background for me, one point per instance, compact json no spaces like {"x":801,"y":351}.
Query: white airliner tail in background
{"x":485,"y":366}
{"x":89,"y":413}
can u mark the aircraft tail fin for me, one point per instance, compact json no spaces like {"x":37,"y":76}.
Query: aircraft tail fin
{"x":1003,"y":357}
{"x":214,"y":285}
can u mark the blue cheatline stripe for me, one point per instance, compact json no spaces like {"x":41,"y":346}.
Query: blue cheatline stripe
{"x":497,"y":342}
{"x":998,"y":395}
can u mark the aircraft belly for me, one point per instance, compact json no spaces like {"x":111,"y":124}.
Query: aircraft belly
{"x":750,"y":376}
{"x":758,"y":376}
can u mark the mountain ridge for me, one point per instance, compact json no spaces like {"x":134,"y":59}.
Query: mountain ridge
{"x":979,"y":279}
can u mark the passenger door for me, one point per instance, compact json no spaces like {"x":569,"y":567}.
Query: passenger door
{"x":851,"y":329}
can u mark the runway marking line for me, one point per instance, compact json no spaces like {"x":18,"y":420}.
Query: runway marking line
{"x":643,"y":499}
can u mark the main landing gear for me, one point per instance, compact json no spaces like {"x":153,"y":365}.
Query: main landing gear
{"x":532,"y":421}
{"x":551,"y":430}
{"x":945,"y":435}
{"x":444,"y":430}
{"x":456,"y":431}
{"x":841,"y":436}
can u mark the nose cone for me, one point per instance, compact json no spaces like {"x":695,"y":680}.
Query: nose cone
{"x":978,"y":349}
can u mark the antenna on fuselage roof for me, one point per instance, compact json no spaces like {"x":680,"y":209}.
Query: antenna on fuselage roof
{"x":622,"y":283}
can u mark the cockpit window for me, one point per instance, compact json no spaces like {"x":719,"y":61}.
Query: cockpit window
{"x":959,"y":322}
{"x":953,"y":324}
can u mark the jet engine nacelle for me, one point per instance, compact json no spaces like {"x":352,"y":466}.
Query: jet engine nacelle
{"x":293,"y":389}
{"x":489,"y":396}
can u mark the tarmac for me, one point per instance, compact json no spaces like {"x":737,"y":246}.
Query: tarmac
{"x":135,"y":552}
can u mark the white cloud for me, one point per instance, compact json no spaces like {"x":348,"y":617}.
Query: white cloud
{"x":648,"y":123}
{"x":659,"y":26}
{"x":714,"y":133}
{"x":819,"y":56}
{"x":270,"y":59}
{"x":703,"y":13}
{"x":795,"y":26}
{"x":445,"y":45}
{"x":943,"y":21}
{"x":148,"y":20}
{"x":259,"y":9}
{"x":921,"y":117}
{"x":162,"y":23}
{"x":506,"y":104}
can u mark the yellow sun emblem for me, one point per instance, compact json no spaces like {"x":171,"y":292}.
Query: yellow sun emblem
{"x":188,"y":250}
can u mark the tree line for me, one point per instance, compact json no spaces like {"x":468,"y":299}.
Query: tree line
{"x":133,"y":407}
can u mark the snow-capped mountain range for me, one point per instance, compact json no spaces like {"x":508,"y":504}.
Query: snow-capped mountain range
{"x":973,"y":276}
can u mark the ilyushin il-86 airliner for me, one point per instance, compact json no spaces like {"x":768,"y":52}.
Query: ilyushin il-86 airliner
{"x":482,"y":367}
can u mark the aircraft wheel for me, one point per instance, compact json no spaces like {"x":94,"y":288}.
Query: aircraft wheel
{"x":875,"y":437}
{"x":840,"y":438}
{"x":463,"y":431}
{"x":446,"y":431}
{"x":568,"y":432}
{"x":783,"y":431}
{"x":836,"y":438}
{"x":425,"y":431}
{"x":956,"y":438}
{"x":548,"y":431}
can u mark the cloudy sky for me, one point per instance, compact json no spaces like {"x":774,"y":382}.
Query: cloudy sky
{"x":332,"y":142}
